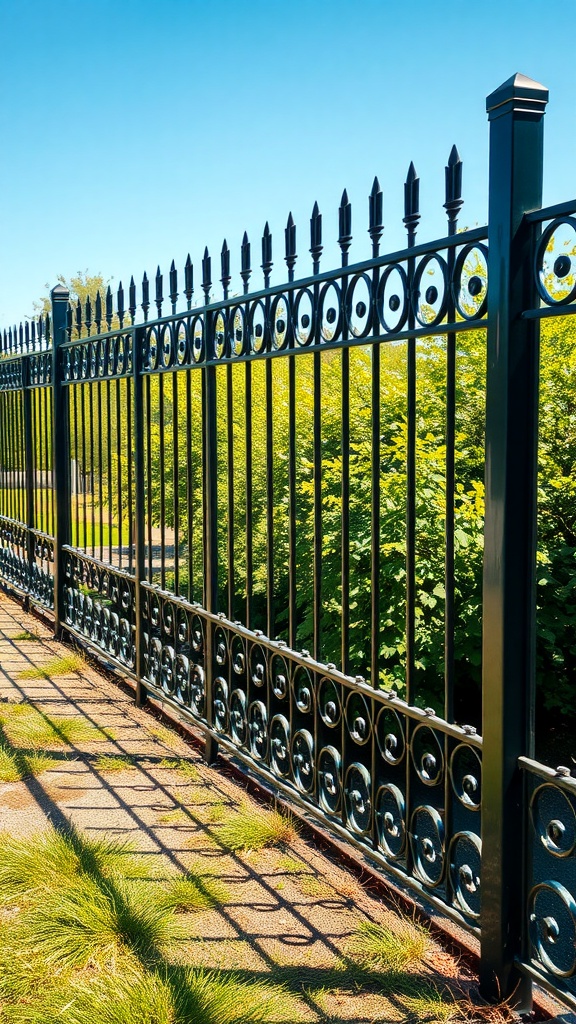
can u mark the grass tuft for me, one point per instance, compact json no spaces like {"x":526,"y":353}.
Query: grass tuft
{"x":26,"y":727}
{"x":24,"y":635}
{"x":113,"y":763}
{"x":254,"y":827}
{"x":55,"y":667}
{"x":377,"y":947}
{"x":193,"y":892}
{"x":16,"y":765}
{"x":188,"y":769}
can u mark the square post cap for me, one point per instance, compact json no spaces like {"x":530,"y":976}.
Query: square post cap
{"x":60,"y":293}
{"x":519,"y":94}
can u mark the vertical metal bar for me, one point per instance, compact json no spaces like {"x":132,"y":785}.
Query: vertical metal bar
{"x":137,"y":411}
{"x":189,"y":485}
{"x":130,"y":473}
{"x":29,"y":464}
{"x":60,"y":450}
{"x":119,"y":495}
{"x":148,"y":386}
{"x":92,"y":473}
{"x":99,"y":387}
{"x":292,"y":623}
{"x":84,"y":473}
{"x":317,"y":461}
{"x":270,"y":627}
{"x":162,"y":481}
{"x":210,"y":502}
{"x":249,"y":553}
{"x":516,"y":112}
{"x":410,"y":500}
{"x":109,"y":465}
{"x":230,"y":472}
{"x":74,"y":489}
{"x":175,"y":481}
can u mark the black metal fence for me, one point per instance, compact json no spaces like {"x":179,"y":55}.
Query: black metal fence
{"x":204,"y":494}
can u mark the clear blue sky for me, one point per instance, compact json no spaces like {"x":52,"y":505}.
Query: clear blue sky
{"x":133,"y":132}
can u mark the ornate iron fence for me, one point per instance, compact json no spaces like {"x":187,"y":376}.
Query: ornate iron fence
{"x":219,"y":499}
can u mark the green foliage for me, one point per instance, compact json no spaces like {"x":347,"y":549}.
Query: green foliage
{"x":377,"y":947}
{"x":254,"y":827}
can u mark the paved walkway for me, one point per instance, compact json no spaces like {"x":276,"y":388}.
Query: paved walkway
{"x":290,"y":914}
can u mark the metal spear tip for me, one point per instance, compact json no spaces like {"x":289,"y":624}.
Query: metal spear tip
{"x":245,"y":238}
{"x":411,"y":176}
{"x":344,"y":201}
{"x":375,"y":187}
{"x":188,"y":261}
{"x":145,"y":277}
{"x":206,"y":253}
{"x":224,"y":246}
{"x":454,"y":157}
{"x":290,"y":221}
{"x":132,"y":285}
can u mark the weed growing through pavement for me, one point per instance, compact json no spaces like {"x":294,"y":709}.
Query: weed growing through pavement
{"x":377,"y":947}
{"x":254,"y":827}
{"x":113,"y":763}
{"x":65,"y":666}
{"x":27,"y":728}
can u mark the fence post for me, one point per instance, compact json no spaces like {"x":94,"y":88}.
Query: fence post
{"x":29,"y":469}
{"x":516,"y":112}
{"x":138,"y":336}
{"x":210,"y":499}
{"x":60,"y":450}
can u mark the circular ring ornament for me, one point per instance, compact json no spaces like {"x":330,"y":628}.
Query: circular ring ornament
{"x":167,"y":670}
{"x":391,"y":821}
{"x":555,"y":267}
{"x":258,"y":729}
{"x":198,"y":344}
{"x":152,"y":350}
{"x":359,"y":306}
{"x":303,"y":690}
{"x":182,"y":676}
{"x":280,"y":320}
{"x":357,"y":789}
{"x":114,"y":635}
{"x":427,"y":756}
{"x":167,"y":346}
{"x":554,"y":820}
{"x":390,"y":736}
{"x":125,"y":639}
{"x":106,"y":628}
{"x":280,"y":746}
{"x":279,"y":677}
{"x":392,"y":298}
{"x":329,"y":702}
{"x":257,"y":321}
{"x":303,"y":760}
{"x":358,"y":718}
{"x":220,"y":647}
{"x":552,"y":916}
{"x":238,"y":655}
{"x":470,"y":281}
{"x":257,"y":665}
{"x":153,"y":610}
{"x":465,"y":859}
{"x":466,"y":776}
{"x":303,"y":315}
{"x":238,"y":723}
{"x":198,"y":691}
{"x":182,"y":627}
{"x":197,"y":635}
{"x":182,"y":343}
{"x":154,"y":657}
{"x":330,"y":779}
{"x":430,"y":306}
{"x":112,"y":349}
{"x":427,"y":845}
{"x":168,"y":618}
{"x":220,"y":329}
{"x":238,"y":332}
{"x":220,"y":704}
{"x":330,"y":312}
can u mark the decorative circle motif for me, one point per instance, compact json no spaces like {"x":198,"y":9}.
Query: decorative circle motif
{"x":466,"y":775}
{"x":427,"y":755}
{"x":167,"y":669}
{"x":357,"y":789}
{"x":279,"y":676}
{"x":556,"y":262}
{"x":280,"y":319}
{"x":470,"y":281}
{"x":154,"y":656}
{"x":329,"y":779}
{"x":359,"y":305}
{"x":358,"y":718}
{"x":238,"y":655}
{"x":258,"y":726}
{"x":182,"y":343}
{"x":390,"y":736}
{"x":238,"y":724}
{"x":329,"y":702}
{"x":302,"y":684}
{"x":391,"y":820}
{"x":220,"y":700}
{"x":198,"y":346}
{"x":432,"y":309}
{"x":167,"y":618}
{"x":304,"y":317}
{"x":153,"y":608}
{"x":465,"y":861}
{"x":330,"y":306}
{"x":182,"y":676}
{"x":303,"y":760}
{"x":427,"y":845}
{"x":552,"y":917}
{"x":220,"y":334}
{"x":238,"y":331}
{"x":554,"y":820}
{"x":220,"y":647}
{"x":197,"y":635}
{"x":257,"y":327}
{"x":182,"y":627}
{"x":393,"y":298}
{"x":257,"y":665}
{"x":198,"y":691}
{"x":280,"y":745}
{"x":152,"y":350}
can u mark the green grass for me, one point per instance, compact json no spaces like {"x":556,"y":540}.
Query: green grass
{"x":188,"y":769}
{"x":379,"y":948}
{"x":54,"y":667}
{"x":192,"y":891}
{"x":113,"y":763}
{"x":25,"y":634}
{"x":254,"y":827}
{"x":27,"y":728}
{"x":16,"y":765}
